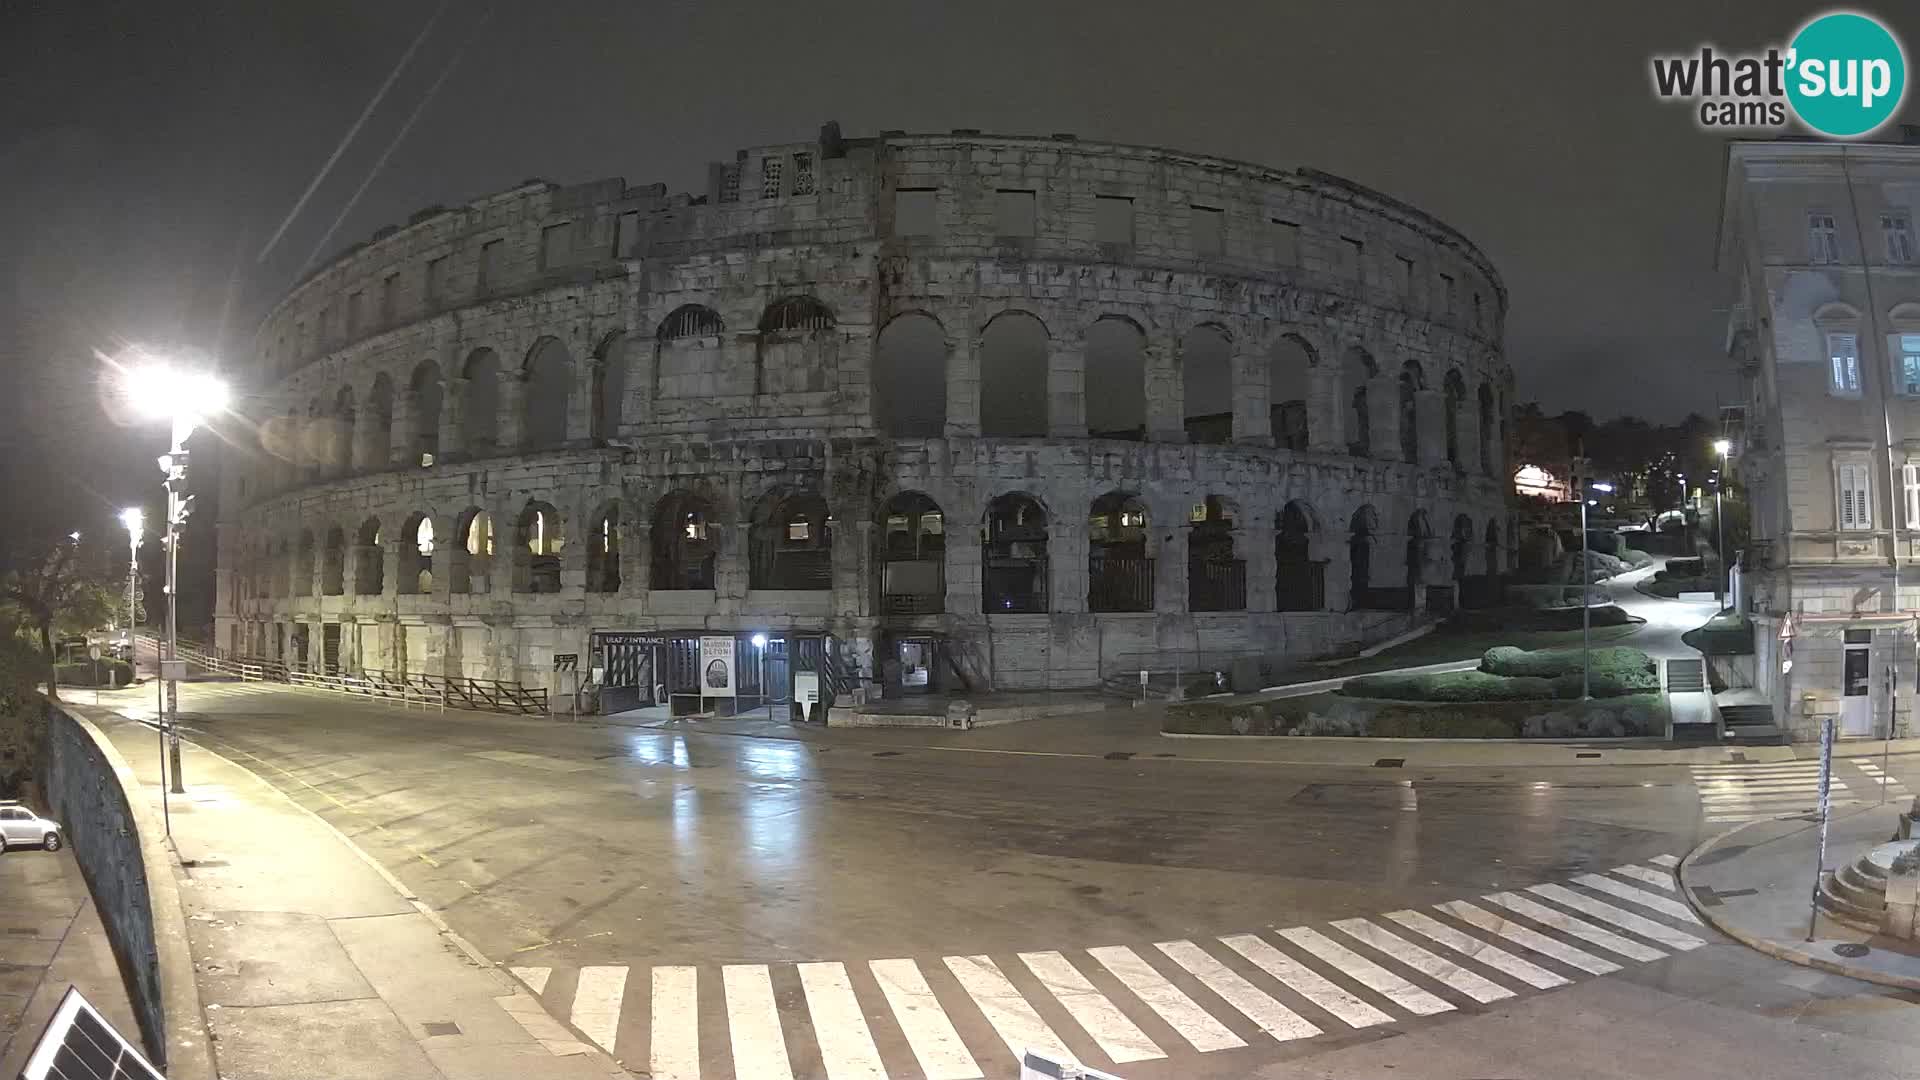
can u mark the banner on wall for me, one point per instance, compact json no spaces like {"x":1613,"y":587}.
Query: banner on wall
{"x":716,"y":667}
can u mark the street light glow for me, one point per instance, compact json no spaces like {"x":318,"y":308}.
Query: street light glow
{"x":1723,"y":447}
{"x":1603,"y":487}
{"x":159,"y":391}
{"x":134,"y":519}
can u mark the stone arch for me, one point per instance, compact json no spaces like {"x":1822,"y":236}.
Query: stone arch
{"x":416,"y":555}
{"x":912,"y":537}
{"x":1412,"y":381}
{"x":1206,"y":380}
{"x":796,"y":348}
{"x":1489,"y":460}
{"x":424,"y":394}
{"x":790,"y":542}
{"x":608,"y":394}
{"x":1362,"y":531}
{"x":1299,"y":581}
{"x":604,"y":529}
{"x":690,"y":321}
{"x":1290,"y":361}
{"x":333,"y":563}
{"x":1461,"y":547}
{"x":796,"y":315}
{"x":538,"y":536}
{"x":369,"y":559}
{"x":1456,"y":399}
{"x":473,"y":548}
{"x":377,"y":449}
{"x":1216,"y":575}
{"x":1119,"y":554}
{"x":910,"y":377}
{"x":480,"y":411}
{"x":685,"y":543}
{"x":1013,"y":572}
{"x":1013,"y":366}
{"x":549,"y":387}
{"x":1357,"y":369}
{"x":305,"y":552}
{"x":1116,"y":363}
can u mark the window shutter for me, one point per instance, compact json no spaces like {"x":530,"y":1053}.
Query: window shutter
{"x":1910,"y":477}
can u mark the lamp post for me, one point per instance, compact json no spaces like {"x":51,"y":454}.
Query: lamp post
{"x":1586,"y":602}
{"x":1720,"y":447}
{"x":184,"y":398}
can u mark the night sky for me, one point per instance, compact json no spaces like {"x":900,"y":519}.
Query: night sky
{"x":148,"y":150}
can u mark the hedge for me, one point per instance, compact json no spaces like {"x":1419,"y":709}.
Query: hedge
{"x":110,"y":673}
{"x":1639,"y":715}
{"x":1617,"y":660}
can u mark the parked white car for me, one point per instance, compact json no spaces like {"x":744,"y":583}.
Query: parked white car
{"x":21,"y":827}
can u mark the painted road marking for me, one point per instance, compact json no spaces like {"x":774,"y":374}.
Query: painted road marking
{"x":839,"y":1028}
{"x":1020,"y":1027}
{"x":1472,"y":947}
{"x":1474,"y":986}
{"x":937,"y":1047}
{"x":596,"y":1003}
{"x":1274,"y":1018}
{"x":675,"y":1052}
{"x":1664,"y":860}
{"x":1520,"y":935}
{"x":1620,"y":917}
{"x":1651,"y":901}
{"x":1305,"y":981}
{"x":1641,"y":873}
{"x":1366,"y":972}
{"x":1190,"y":1021}
{"x":534,"y":977}
{"x":1119,"y":1039}
{"x":753,"y":1023}
{"x":1579,"y":928}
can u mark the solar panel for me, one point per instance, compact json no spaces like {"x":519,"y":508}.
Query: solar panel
{"x":79,"y":1044}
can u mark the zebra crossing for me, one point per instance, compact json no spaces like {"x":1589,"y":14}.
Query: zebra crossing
{"x":969,"y":1017}
{"x":1737,"y":792}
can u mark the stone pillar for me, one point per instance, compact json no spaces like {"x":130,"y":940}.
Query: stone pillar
{"x":576,"y":533}
{"x":513,"y":397}
{"x":444,"y":545}
{"x":453,"y":409}
{"x":1170,"y":566}
{"x":1339,"y":572}
{"x":732,"y":576}
{"x":963,"y":571}
{"x":1166,"y":391}
{"x":401,"y":453}
{"x":636,"y":555}
{"x":1253,"y":541}
{"x":390,"y":565}
{"x":1067,"y":564}
{"x":853,"y":569}
{"x":1430,"y":426}
{"x":1471,"y":458}
{"x":1252,"y":409}
{"x":580,"y":401}
{"x":1327,"y":409}
{"x":963,"y":388}
{"x":1383,"y":403}
{"x":1066,"y":389}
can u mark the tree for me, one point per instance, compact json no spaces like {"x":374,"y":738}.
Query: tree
{"x":56,"y":588}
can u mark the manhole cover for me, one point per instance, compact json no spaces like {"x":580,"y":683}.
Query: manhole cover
{"x":1594,"y":753}
{"x":1119,"y":755}
{"x":21,"y":931}
{"x":441,"y":1027}
{"x":1851,"y":949}
{"x":886,"y":753}
{"x":1390,"y":763}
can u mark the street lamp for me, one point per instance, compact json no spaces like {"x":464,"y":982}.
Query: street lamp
{"x":1721,"y":447}
{"x":1586,"y":602}
{"x":184,"y":397}
{"x":135,"y":520}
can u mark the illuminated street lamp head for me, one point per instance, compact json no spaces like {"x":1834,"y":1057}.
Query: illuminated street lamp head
{"x":134,"y":519}
{"x":1723,"y":447}
{"x":1603,"y":487}
{"x":159,"y":390}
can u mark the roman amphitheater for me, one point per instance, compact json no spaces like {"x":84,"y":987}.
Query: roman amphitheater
{"x":915,"y":413}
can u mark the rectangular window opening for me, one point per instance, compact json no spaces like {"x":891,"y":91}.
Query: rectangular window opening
{"x":1823,"y":238}
{"x":1286,"y":242}
{"x":1406,"y":275}
{"x":1112,"y":219}
{"x":1013,"y":213}
{"x":1206,"y":227}
{"x":626,"y":234}
{"x":437,"y":279}
{"x":555,"y":244}
{"x":1856,"y":496}
{"x":1447,"y":287}
{"x":1843,"y":364}
{"x":1898,"y":230}
{"x":803,"y":174}
{"x":493,"y":255}
{"x":770,"y":169}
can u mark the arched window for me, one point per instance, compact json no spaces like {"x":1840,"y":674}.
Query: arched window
{"x":369,"y":560}
{"x":1289,"y":365}
{"x":1119,"y":555}
{"x":1456,"y":399}
{"x":1216,"y":578}
{"x":377,"y":452}
{"x":416,"y":556}
{"x":333,"y":564}
{"x":913,"y":547}
{"x":796,"y":351}
{"x":1206,"y":375}
{"x":1299,"y":582}
{"x":685,"y":541}
{"x":472,"y":568}
{"x":603,"y":551}
{"x":1489,"y":460}
{"x":1356,"y":370}
{"x":1411,"y":382}
{"x":1116,"y":380}
{"x":610,"y":388}
{"x":549,"y":383}
{"x":1013,"y":573}
{"x":424,"y":388}
{"x":795,"y":315}
{"x":790,"y":543}
{"x":536,"y":549}
{"x":1361,"y":531}
{"x":910,"y":378}
{"x":690,"y":321}
{"x":480,"y":411}
{"x":1013,"y":376}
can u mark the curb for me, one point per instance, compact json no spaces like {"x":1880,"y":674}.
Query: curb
{"x":1769,"y":946}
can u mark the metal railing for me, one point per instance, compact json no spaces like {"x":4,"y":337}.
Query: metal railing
{"x":407,"y":688}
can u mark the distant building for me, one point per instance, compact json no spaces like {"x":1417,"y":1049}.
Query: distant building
{"x":1817,"y":245}
{"x":1539,"y":483}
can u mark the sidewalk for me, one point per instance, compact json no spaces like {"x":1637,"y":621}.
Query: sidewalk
{"x":1754,"y":883}
{"x":50,"y":939}
{"x":312,"y":961}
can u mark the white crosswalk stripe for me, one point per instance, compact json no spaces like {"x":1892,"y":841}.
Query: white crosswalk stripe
{"x":1118,"y":1004}
{"x":1733,"y":792}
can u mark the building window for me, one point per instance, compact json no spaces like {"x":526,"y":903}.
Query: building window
{"x":1906,"y":364}
{"x":437,"y":279}
{"x":730,"y":182}
{"x":1446,"y":294}
{"x":913,"y":211}
{"x":1856,"y":495}
{"x":1204,"y":229}
{"x":493,"y":257}
{"x":1823,"y":238}
{"x":389,"y":299}
{"x":626,"y":233}
{"x":554,"y":246}
{"x":1112,"y":219}
{"x":1354,"y":252}
{"x":1910,"y":488}
{"x":803,"y":174}
{"x":1406,"y":275}
{"x":1286,"y":242}
{"x":770,"y":177}
{"x":1843,"y":364}
{"x":1013,"y":213}
{"x":1898,"y":229}
{"x":356,"y":313}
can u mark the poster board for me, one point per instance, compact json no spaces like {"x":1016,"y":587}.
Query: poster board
{"x":717,"y":667}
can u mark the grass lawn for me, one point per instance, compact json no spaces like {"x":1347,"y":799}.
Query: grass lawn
{"x":1445,"y":644}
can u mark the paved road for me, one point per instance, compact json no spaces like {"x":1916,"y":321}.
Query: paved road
{"x":721,"y":906}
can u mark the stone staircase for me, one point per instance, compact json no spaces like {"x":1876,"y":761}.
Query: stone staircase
{"x":1751,"y":725}
{"x":1856,"y":894}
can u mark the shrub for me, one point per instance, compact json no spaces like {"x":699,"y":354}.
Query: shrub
{"x":1439,"y":724}
{"x":110,"y":673}
{"x":1636,"y":558}
{"x":1617,"y":660}
{"x":1448,"y":686}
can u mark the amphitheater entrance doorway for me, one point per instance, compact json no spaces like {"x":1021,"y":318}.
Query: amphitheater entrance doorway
{"x":629,"y":666}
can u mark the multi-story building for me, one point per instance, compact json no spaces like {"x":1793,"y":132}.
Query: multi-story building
{"x":1817,"y":244}
{"x":972,"y":409}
